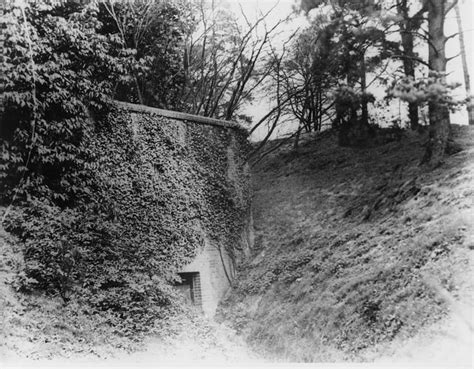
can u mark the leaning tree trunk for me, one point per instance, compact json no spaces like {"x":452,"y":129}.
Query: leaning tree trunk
{"x":438,"y":114}
{"x":467,"y":82}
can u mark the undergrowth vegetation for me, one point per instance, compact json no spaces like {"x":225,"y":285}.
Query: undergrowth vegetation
{"x":352,"y":248}
{"x":39,"y":327}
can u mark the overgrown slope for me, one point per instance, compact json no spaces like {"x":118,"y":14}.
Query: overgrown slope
{"x":41,"y":330}
{"x":356,"y":250}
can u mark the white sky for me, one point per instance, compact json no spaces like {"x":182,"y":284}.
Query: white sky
{"x":284,"y":7}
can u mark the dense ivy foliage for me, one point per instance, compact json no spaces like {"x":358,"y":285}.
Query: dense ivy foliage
{"x":54,"y":69}
{"x":162,"y":188}
{"x":108,"y":204}
{"x":226,"y":184}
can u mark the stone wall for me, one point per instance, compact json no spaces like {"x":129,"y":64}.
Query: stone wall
{"x":213,"y":165}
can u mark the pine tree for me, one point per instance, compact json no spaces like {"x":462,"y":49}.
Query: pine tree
{"x":438,"y":113}
{"x":467,"y":82}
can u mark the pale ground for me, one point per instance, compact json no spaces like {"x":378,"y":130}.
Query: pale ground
{"x":448,"y":344}
{"x":203,"y":344}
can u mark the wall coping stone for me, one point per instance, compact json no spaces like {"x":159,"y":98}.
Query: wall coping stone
{"x":181,"y":116}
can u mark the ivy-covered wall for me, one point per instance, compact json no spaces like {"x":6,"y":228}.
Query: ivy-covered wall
{"x":180,"y":190}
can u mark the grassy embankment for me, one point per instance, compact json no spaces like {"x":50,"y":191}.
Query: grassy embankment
{"x":360,"y":254}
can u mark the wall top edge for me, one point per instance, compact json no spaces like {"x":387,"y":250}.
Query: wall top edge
{"x":180,"y":116}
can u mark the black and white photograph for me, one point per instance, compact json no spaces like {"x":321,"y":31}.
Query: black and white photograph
{"x":236,"y":183}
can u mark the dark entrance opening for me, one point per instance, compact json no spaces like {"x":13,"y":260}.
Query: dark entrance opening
{"x":190,"y":288}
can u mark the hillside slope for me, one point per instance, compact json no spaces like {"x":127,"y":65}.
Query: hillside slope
{"x":358,"y":253}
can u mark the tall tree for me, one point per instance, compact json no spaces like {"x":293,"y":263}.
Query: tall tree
{"x":438,"y":113}
{"x":223,"y":63}
{"x":152,"y":34}
{"x":467,"y":81}
{"x":409,"y":26}
{"x":359,"y":41}
{"x":306,"y":76}
{"x":436,"y":11}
